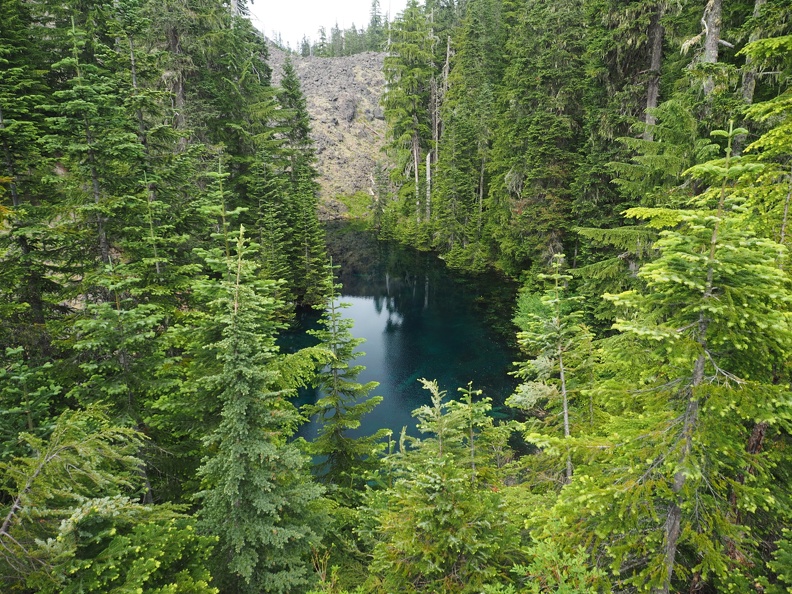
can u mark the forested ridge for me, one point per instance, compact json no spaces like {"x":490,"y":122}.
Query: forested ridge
{"x":628,"y":161}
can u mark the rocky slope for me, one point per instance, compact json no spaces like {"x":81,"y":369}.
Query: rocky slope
{"x":343,"y":97}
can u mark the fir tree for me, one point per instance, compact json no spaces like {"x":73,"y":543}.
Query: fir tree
{"x":343,"y":401}
{"x":306,"y":244}
{"x":443,"y":525}
{"x":258,"y":498}
{"x":696,"y":364}
{"x":408,"y":72}
{"x":561,"y":347}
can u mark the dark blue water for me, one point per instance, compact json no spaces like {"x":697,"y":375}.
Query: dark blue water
{"x":420,"y":321}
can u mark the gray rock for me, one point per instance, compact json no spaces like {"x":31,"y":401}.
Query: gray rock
{"x":343,"y":96}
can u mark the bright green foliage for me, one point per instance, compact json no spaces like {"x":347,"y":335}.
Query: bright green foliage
{"x":258,"y":497}
{"x":769,"y":187}
{"x":671,"y":495}
{"x":85,"y":457}
{"x":556,"y":571}
{"x":27,"y":396}
{"x":553,"y":334}
{"x":781,"y":564}
{"x":444,"y":526}
{"x":553,"y":570}
{"x":342,"y":402}
{"x":114,"y":545}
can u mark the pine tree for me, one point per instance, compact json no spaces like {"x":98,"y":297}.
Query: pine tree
{"x":85,"y":457}
{"x":472,"y":73}
{"x":31,"y":274}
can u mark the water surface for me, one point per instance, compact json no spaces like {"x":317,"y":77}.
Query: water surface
{"x":419,"y":320}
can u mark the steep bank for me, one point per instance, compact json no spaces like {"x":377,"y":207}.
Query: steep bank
{"x":343,"y":96}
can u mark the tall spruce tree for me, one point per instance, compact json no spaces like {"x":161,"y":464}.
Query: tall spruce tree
{"x":408,"y":73}
{"x":536,"y":144}
{"x":306,"y":244}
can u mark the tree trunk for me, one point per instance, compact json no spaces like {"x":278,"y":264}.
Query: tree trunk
{"x":673,"y":526}
{"x":656,"y":33}
{"x":480,"y":200}
{"x":785,"y":218}
{"x":10,"y":165}
{"x":749,"y":74}
{"x":712,"y":28}
{"x":177,"y":83}
{"x":565,"y":401}
{"x":428,"y":186}
{"x":104,"y":246}
{"x":416,"y":160}
{"x":749,"y":70}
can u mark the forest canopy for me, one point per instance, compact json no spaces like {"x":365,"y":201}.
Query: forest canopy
{"x":628,"y":161}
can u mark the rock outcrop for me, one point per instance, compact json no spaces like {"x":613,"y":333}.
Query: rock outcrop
{"x":343,"y":98}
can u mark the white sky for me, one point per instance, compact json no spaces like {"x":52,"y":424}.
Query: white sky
{"x":295,"y":18}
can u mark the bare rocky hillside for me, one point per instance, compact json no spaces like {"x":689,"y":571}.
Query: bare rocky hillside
{"x":343,"y":97}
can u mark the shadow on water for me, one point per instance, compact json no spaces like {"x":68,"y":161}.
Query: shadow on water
{"x":419,"y":320}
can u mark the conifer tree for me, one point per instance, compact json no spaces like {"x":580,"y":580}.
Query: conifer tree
{"x":72,"y":528}
{"x":695,"y":365}
{"x":32,"y":240}
{"x":443,"y":526}
{"x":375,"y":32}
{"x":408,"y":72}
{"x":258,"y":497}
{"x":343,"y":401}
{"x":469,"y":116}
{"x":305,"y":244}
{"x":85,"y":456}
{"x":560,"y":345}
{"x":535,"y":148}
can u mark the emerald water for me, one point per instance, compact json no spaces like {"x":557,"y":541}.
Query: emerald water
{"x":419,"y":320}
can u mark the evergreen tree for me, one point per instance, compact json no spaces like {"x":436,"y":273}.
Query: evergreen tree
{"x":84,"y":457}
{"x":560,"y":345}
{"x":443,"y":526}
{"x":306,"y":244}
{"x":258,"y":498}
{"x":536,"y":144}
{"x":375,"y":33}
{"x":408,"y":74}
{"x":343,"y":401}
{"x":695,"y":365}
{"x":469,"y":116}
{"x":30,"y":247}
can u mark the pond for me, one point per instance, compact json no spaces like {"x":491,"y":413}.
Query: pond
{"x":419,"y":320}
